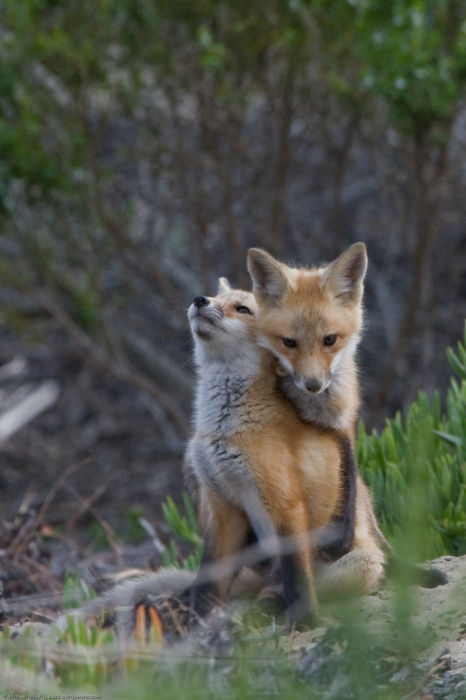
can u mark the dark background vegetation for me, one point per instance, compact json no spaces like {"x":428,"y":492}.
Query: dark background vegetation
{"x":144,"y":146}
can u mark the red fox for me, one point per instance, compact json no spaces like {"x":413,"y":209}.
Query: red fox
{"x":256,"y":464}
{"x":259,"y":465}
{"x":310,"y":320}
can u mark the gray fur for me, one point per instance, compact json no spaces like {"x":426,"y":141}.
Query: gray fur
{"x":221,"y":391}
{"x":318,"y":408}
{"x":312,"y":409}
{"x":228,"y":363}
{"x":122,"y":599}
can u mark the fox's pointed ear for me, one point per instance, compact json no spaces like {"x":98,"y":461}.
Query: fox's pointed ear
{"x":223,"y":285}
{"x":345,"y":275}
{"x":269,"y":281}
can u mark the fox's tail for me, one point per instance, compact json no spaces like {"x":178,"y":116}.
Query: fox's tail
{"x":362,"y":570}
{"x":397,"y":567}
{"x":358,"y":572}
{"x":120,"y":602}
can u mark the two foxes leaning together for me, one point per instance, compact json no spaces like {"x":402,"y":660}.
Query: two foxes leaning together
{"x":272,"y":456}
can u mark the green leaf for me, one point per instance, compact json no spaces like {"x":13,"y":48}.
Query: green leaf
{"x":457,"y":366}
{"x":454,"y":439}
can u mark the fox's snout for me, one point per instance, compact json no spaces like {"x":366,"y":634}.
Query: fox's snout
{"x":218,"y":323}
{"x":201,"y":301}
{"x":311,"y":373}
{"x":313,"y":385}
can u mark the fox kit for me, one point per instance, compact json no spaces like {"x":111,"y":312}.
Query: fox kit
{"x":257,"y":463}
{"x":310,"y":320}
{"x":254,"y":462}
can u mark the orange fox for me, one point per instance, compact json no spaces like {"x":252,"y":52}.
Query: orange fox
{"x":311,"y":320}
{"x":256,"y":464}
{"x":259,"y":465}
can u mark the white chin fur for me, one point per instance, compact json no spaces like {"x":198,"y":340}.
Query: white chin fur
{"x":201,"y":324}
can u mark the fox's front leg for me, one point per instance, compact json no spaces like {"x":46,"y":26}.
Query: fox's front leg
{"x":338,"y":537}
{"x":297,"y":568}
{"x":225,"y":535}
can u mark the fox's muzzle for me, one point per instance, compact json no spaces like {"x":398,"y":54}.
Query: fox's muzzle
{"x":201,"y":301}
{"x":313,"y":385}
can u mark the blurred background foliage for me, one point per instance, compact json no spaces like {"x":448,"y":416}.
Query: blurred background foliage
{"x":144,"y":146}
{"x":416,"y":469}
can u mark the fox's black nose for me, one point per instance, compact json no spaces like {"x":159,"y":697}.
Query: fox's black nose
{"x":201,"y":301}
{"x":313,"y":385}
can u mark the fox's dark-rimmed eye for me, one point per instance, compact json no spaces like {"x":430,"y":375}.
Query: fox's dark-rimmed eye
{"x":289,"y":342}
{"x":330,"y":339}
{"x":243,"y":310}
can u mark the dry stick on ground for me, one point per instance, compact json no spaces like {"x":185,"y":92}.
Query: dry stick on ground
{"x":440,"y":666}
{"x":99,"y":358}
{"x":109,"y":531}
{"x":26,"y":532}
{"x":85,"y":505}
{"x":28,"y":406}
{"x":58,"y":484}
{"x":43,"y":571}
{"x":150,"y":529}
{"x":30,"y":528}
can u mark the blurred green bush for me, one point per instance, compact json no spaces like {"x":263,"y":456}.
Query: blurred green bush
{"x":416,"y":469}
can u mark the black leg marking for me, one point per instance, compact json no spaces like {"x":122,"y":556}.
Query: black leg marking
{"x":341,"y":528}
{"x":297,"y":600}
{"x":202,"y":594}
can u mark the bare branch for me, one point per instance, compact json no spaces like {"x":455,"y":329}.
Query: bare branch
{"x":96,"y":355}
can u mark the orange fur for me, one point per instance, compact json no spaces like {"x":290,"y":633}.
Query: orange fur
{"x":295,"y":466}
{"x":307,"y":305}
{"x":293,"y":462}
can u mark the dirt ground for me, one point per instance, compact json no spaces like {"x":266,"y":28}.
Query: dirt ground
{"x":75,"y":481}
{"x":438,"y":615}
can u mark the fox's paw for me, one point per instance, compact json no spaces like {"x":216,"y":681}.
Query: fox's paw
{"x":271,"y":601}
{"x":302,"y":615}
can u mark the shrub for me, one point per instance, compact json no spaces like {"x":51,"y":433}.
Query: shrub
{"x":416,"y":469}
